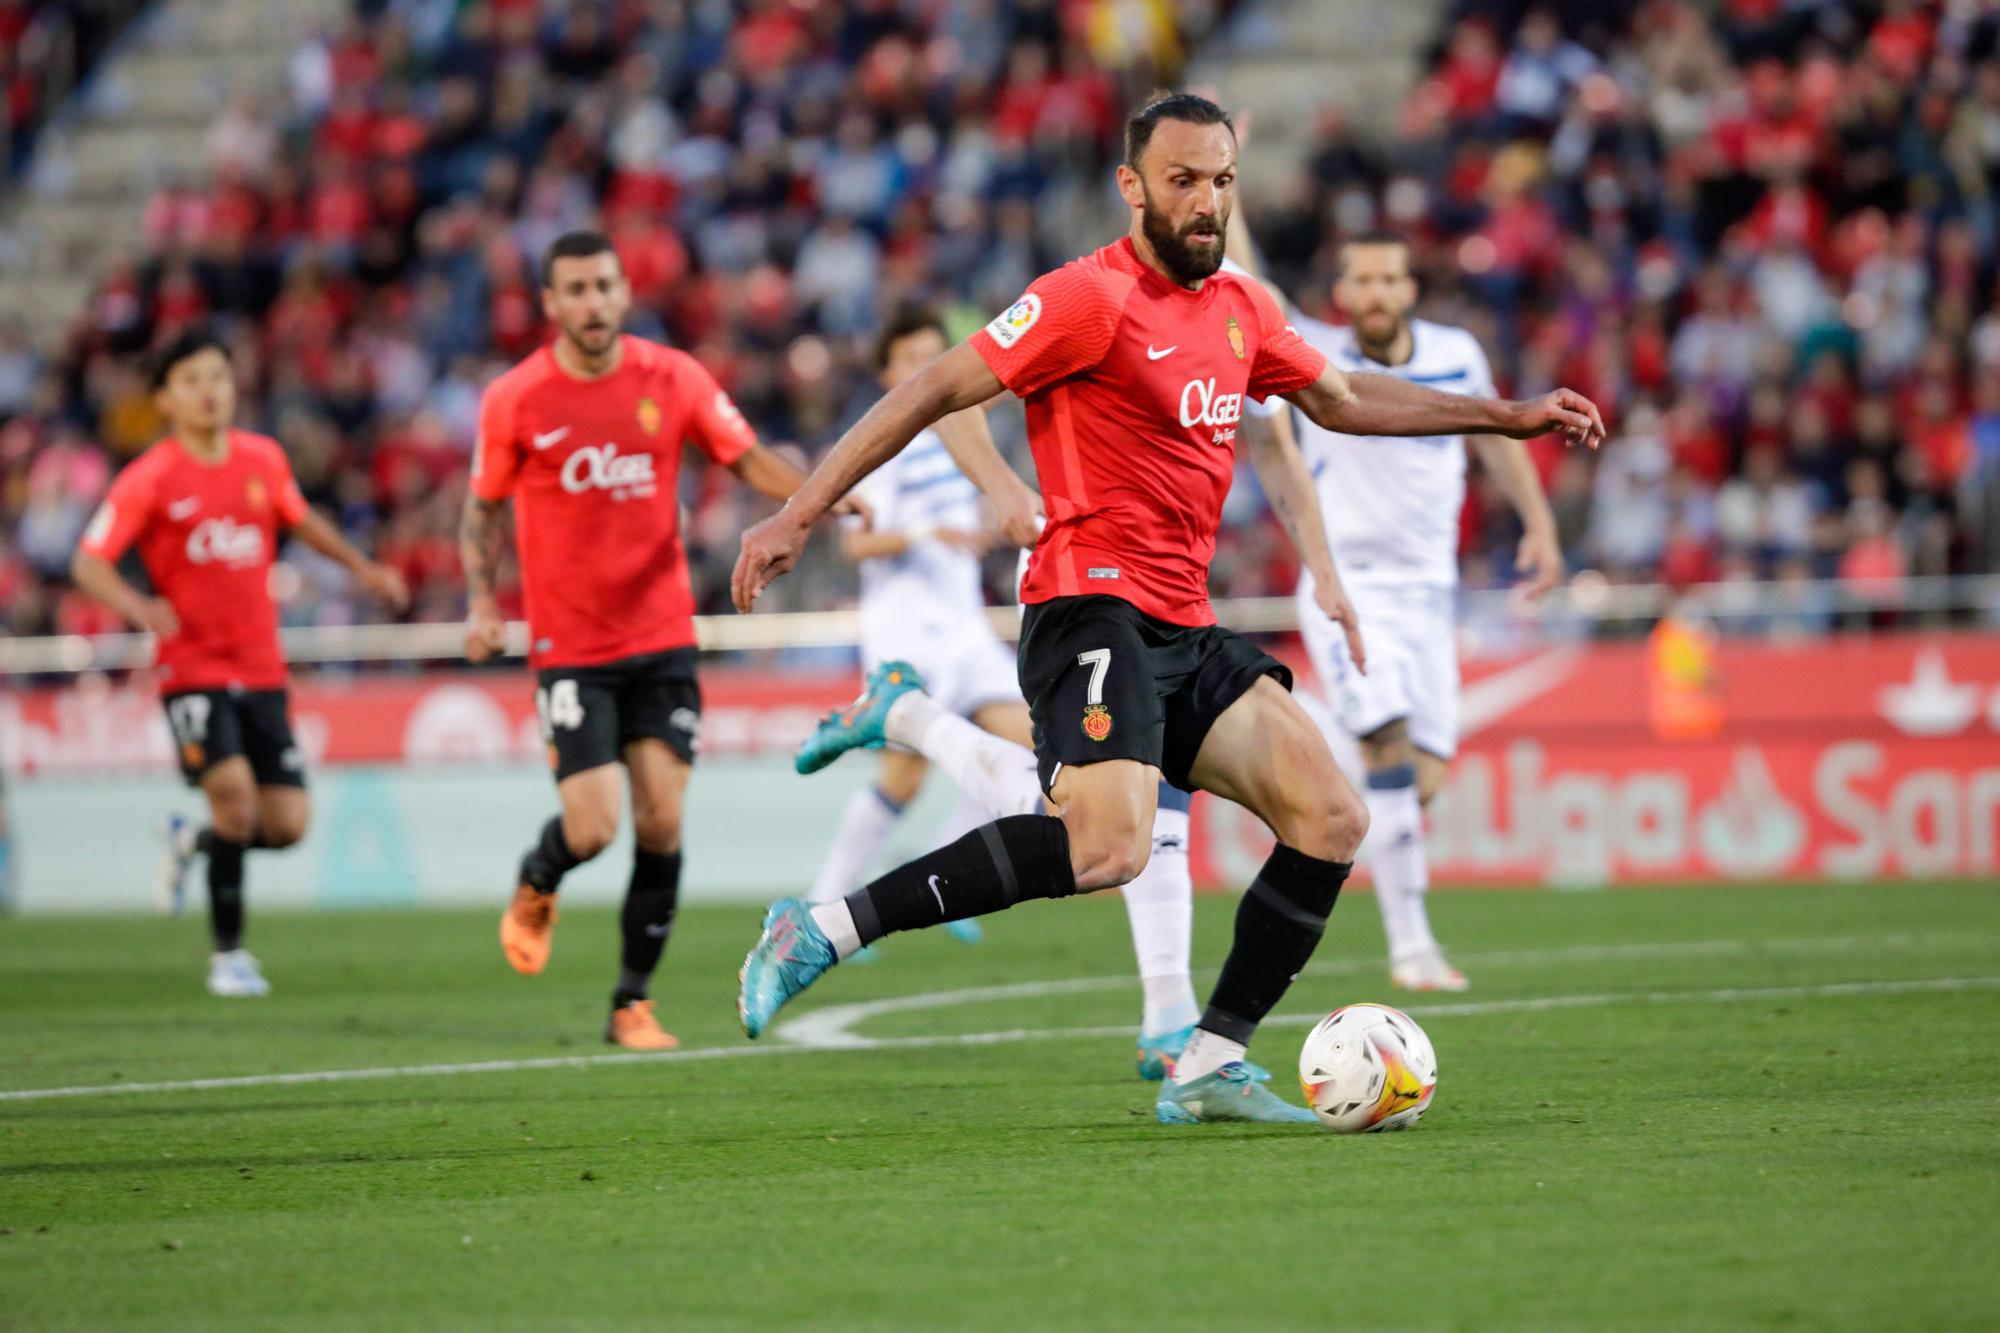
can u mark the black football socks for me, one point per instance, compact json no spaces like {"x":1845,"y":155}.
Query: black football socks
{"x":1278,"y":925}
{"x":988,"y":870}
{"x":549,"y":859}
{"x":225,"y":892}
{"x":646,"y":921}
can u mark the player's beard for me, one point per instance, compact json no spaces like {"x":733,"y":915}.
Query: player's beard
{"x":1184,"y":262}
{"x":1378,"y":349}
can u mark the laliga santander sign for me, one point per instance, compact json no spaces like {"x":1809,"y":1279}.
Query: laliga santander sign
{"x":1836,"y":759}
{"x":1844,"y":760}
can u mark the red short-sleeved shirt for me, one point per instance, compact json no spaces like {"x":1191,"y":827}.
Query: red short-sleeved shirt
{"x":207,"y":534}
{"x":592,"y":467}
{"x":1134,"y":387}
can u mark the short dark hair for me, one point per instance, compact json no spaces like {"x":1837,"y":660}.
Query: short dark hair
{"x":189,"y":343}
{"x":1170,"y":106}
{"x":905,"y":321}
{"x":575,"y":245}
{"x":1374,"y":236}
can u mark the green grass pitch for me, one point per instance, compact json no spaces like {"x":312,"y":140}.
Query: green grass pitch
{"x":1701,"y":1108}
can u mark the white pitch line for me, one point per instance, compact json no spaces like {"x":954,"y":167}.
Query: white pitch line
{"x":1474,"y":1008}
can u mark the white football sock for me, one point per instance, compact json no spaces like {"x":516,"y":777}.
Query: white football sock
{"x":836,"y":922}
{"x":996,"y":773}
{"x":864,"y":827}
{"x":1160,"y":904}
{"x":1205,"y":1054}
{"x":1402,"y":872}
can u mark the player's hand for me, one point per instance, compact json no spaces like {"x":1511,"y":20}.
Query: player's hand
{"x":977,"y":542}
{"x":156,"y":616}
{"x":1018,"y":514}
{"x":853,"y":506}
{"x":385,"y":583}
{"x":1563,"y":410}
{"x":769,"y":549}
{"x":1540,"y":558}
{"x":1332,"y":599}
{"x":485,"y":631}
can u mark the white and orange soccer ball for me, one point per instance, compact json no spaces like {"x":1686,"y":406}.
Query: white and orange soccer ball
{"x":1367,"y":1067}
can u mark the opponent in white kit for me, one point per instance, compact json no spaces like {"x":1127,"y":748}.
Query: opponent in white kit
{"x":922,"y":603}
{"x":1392,"y":509}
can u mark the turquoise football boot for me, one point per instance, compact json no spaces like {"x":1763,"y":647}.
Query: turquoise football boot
{"x":1230,"y":1093}
{"x":859,"y":725}
{"x":788,"y":957}
{"x":1158,"y":1052}
{"x":967,"y":931}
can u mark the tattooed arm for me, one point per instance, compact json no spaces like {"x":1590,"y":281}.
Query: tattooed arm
{"x":478,"y":542}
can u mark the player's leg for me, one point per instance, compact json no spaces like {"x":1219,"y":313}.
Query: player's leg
{"x":659,"y":779}
{"x":865,"y":825}
{"x":1104,"y":778}
{"x":1264,"y":753}
{"x":231,"y":790}
{"x":1375,"y":708}
{"x":579,"y":716}
{"x":1159,"y":904}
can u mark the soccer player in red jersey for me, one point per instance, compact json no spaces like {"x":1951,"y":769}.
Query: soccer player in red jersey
{"x":206,"y":507}
{"x":1133,"y":363}
{"x":585,"y":438}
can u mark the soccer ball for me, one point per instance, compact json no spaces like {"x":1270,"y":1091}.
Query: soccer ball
{"x":1367,"y":1067}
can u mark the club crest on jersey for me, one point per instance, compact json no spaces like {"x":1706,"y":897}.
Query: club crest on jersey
{"x":650,"y":416}
{"x":255,"y":493}
{"x":1236,"y":337}
{"x":1096,"y":721}
{"x":1008,"y":326}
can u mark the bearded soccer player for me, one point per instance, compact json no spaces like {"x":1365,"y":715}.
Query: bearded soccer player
{"x":585,"y":438}
{"x":206,"y":507}
{"x":1134,"y":363}
{"x":922,"y":607}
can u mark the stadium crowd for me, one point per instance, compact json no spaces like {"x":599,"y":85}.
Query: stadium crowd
{"x":1762,"y":238}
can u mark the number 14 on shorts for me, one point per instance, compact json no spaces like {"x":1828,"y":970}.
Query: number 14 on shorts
{"x":1096,"y":717}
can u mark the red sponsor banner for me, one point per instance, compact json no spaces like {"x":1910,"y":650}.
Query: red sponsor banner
{"x":1585,"y":764}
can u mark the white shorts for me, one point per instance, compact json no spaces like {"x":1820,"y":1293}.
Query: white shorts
{"x":1410,"y":635}
{"x":965,"y":666}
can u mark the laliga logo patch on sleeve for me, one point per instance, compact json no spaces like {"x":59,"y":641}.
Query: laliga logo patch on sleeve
{"x":1008,"y":326}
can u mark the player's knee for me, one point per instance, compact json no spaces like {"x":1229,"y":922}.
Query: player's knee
{"x":588,"y":832}
{"x":1388,"y":746}
{"x":657,"y":830}
{"x":281,"y":830}
{"x":232,"y":813}
{"x":1330,"y":826}
{"x":1107,"y":863}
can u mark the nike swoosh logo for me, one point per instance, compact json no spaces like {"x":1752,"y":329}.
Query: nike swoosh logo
{"x":550,"y":438}
{"x":1152,"y":355}
{"x":935,"y":894}
{"x":180,"y":509}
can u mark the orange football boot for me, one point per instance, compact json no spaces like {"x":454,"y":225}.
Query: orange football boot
{"x":634,"y":1027}
{"x":525,"y":928}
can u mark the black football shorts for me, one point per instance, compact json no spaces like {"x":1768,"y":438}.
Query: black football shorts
{"x":210,"y":726}
{"x":590,"y":713}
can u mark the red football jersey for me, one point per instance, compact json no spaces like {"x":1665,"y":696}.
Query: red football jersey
{"x":1134,"y":387}
{"x":207,"y":534}
{"x":593,"y":467}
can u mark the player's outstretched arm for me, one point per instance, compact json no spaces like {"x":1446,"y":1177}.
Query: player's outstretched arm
{"x":1017,"y":510}
{"x":1386,"y":405}
{"x":957,"y":380}
{"x":380,"y":580}
{"x":101,"y":579}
